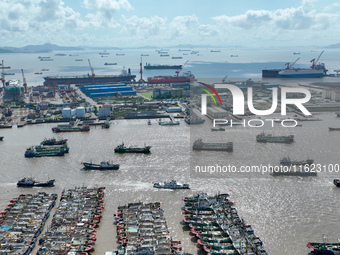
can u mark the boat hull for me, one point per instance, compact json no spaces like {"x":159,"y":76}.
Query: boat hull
{"x":56,"y":80}
{"x":89,"y":166}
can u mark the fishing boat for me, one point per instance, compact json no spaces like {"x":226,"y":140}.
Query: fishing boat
{"x":288,"y":162}
{"x":336,"y":182}
{"x":333,"y":128}
{"x":269,"y":138}
{"x":122,"y":149}
{"x":43,"y":151}
{"x":1,"y":138}
{"x":104,"y":165}
{"x":53,"y":141}
{"x":31,"y":182}
{"x":171,"y":185}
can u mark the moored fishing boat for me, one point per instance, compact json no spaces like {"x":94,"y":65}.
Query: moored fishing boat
{"x":104,"y":165}
{"x":171,"y":185}
{"x":123,"y":149}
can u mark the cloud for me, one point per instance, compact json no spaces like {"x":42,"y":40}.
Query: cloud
{"x":107,"y":8}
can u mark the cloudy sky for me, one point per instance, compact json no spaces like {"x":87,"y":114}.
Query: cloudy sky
{"x":134,"y":23}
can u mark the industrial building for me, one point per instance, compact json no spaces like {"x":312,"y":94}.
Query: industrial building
{"x":217,"y":112}
{"x":108,"y":90}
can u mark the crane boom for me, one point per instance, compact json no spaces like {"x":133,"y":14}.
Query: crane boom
{"x":24,"y":80}
{"x":92,"y":71}
{"x":180,"y":69}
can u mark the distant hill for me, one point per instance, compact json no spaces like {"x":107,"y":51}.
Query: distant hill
{"x":5,"y":51}
{"x":334,"y":46}
{"x":47,"y":47}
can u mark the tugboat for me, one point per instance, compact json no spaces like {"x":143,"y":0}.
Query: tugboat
{"x":122,"y":149}
{"x":102,"y":166}
{"x":288,"y":162}
{"x":30,"y":182}
{"x":171,"y":185}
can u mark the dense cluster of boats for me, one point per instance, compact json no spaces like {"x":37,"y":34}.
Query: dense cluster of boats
{"x":218,"y":228}
{"x":142,"y":229}
{"x":72,"y":230}
{"x":22,"y":221}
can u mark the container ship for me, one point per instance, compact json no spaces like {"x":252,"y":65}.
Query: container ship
{"x":186,"y":77}
{"x":200,"y":145}
{"x":125,"y":76}
{"x":149,"y":66}
{"x":269,"y":138}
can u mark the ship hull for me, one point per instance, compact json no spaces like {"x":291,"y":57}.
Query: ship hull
{"x":301,"y":73}
{"x":168,"y":79}
{"x":270,"y":73}
{"x":56,"y":80}
{"x":157,"y":67}
{"x":89,"y":166}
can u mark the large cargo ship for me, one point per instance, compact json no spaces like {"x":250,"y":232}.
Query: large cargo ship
{"x":316,"y":70}
{"x":70,"y":128}
{"x":269,"y":138}
{"x":149,"y":66}
{"x":186,"y":77}
{"x":200,"y":145}
{"x":125,"y":76}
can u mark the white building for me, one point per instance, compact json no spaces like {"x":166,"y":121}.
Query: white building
{"x":66,"y":113}
{"x":80,"y":112}
{"x":105,"y":111}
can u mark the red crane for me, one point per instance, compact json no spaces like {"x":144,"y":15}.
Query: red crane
{"x":315,"y":61}
{"x":180,"y":69}
{"x":287,"y":64}
{"x":92,"y":71}
{"x":24,"y":81}
{"x":3,"y":67}
{"x":141,"y":71}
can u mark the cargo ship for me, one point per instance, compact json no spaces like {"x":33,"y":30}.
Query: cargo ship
{"x":149,"y":66}
{"x":288,"y":162}
{"x":101,"y":166}
{"x":70,"y":128}
{"x":186,"y":77}
{"x":269,"y":138}
{"x":200,"y":145}
{"x":125,"y":76}
{"x":42,"y":151}
{"x":122,"y":149}
{"x":316,"y":70}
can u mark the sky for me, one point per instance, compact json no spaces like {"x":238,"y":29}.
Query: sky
{"x":161,"y":23}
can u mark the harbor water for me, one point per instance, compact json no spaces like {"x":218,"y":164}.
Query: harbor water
{"x":285,"y":212}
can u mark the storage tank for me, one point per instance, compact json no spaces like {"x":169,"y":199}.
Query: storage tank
{"x":66,"y":113}
{"x":73,"y":112}
{"x":80,"y":112}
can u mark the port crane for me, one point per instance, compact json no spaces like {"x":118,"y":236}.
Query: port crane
{"x":92,"y":71}
{"x":3,"y":67}
{"x":223,"y":80}
{"x":180,"y":69}
{"x":24,"y":81}
{"x":314,"y":62}
{"x":289,"y":67}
